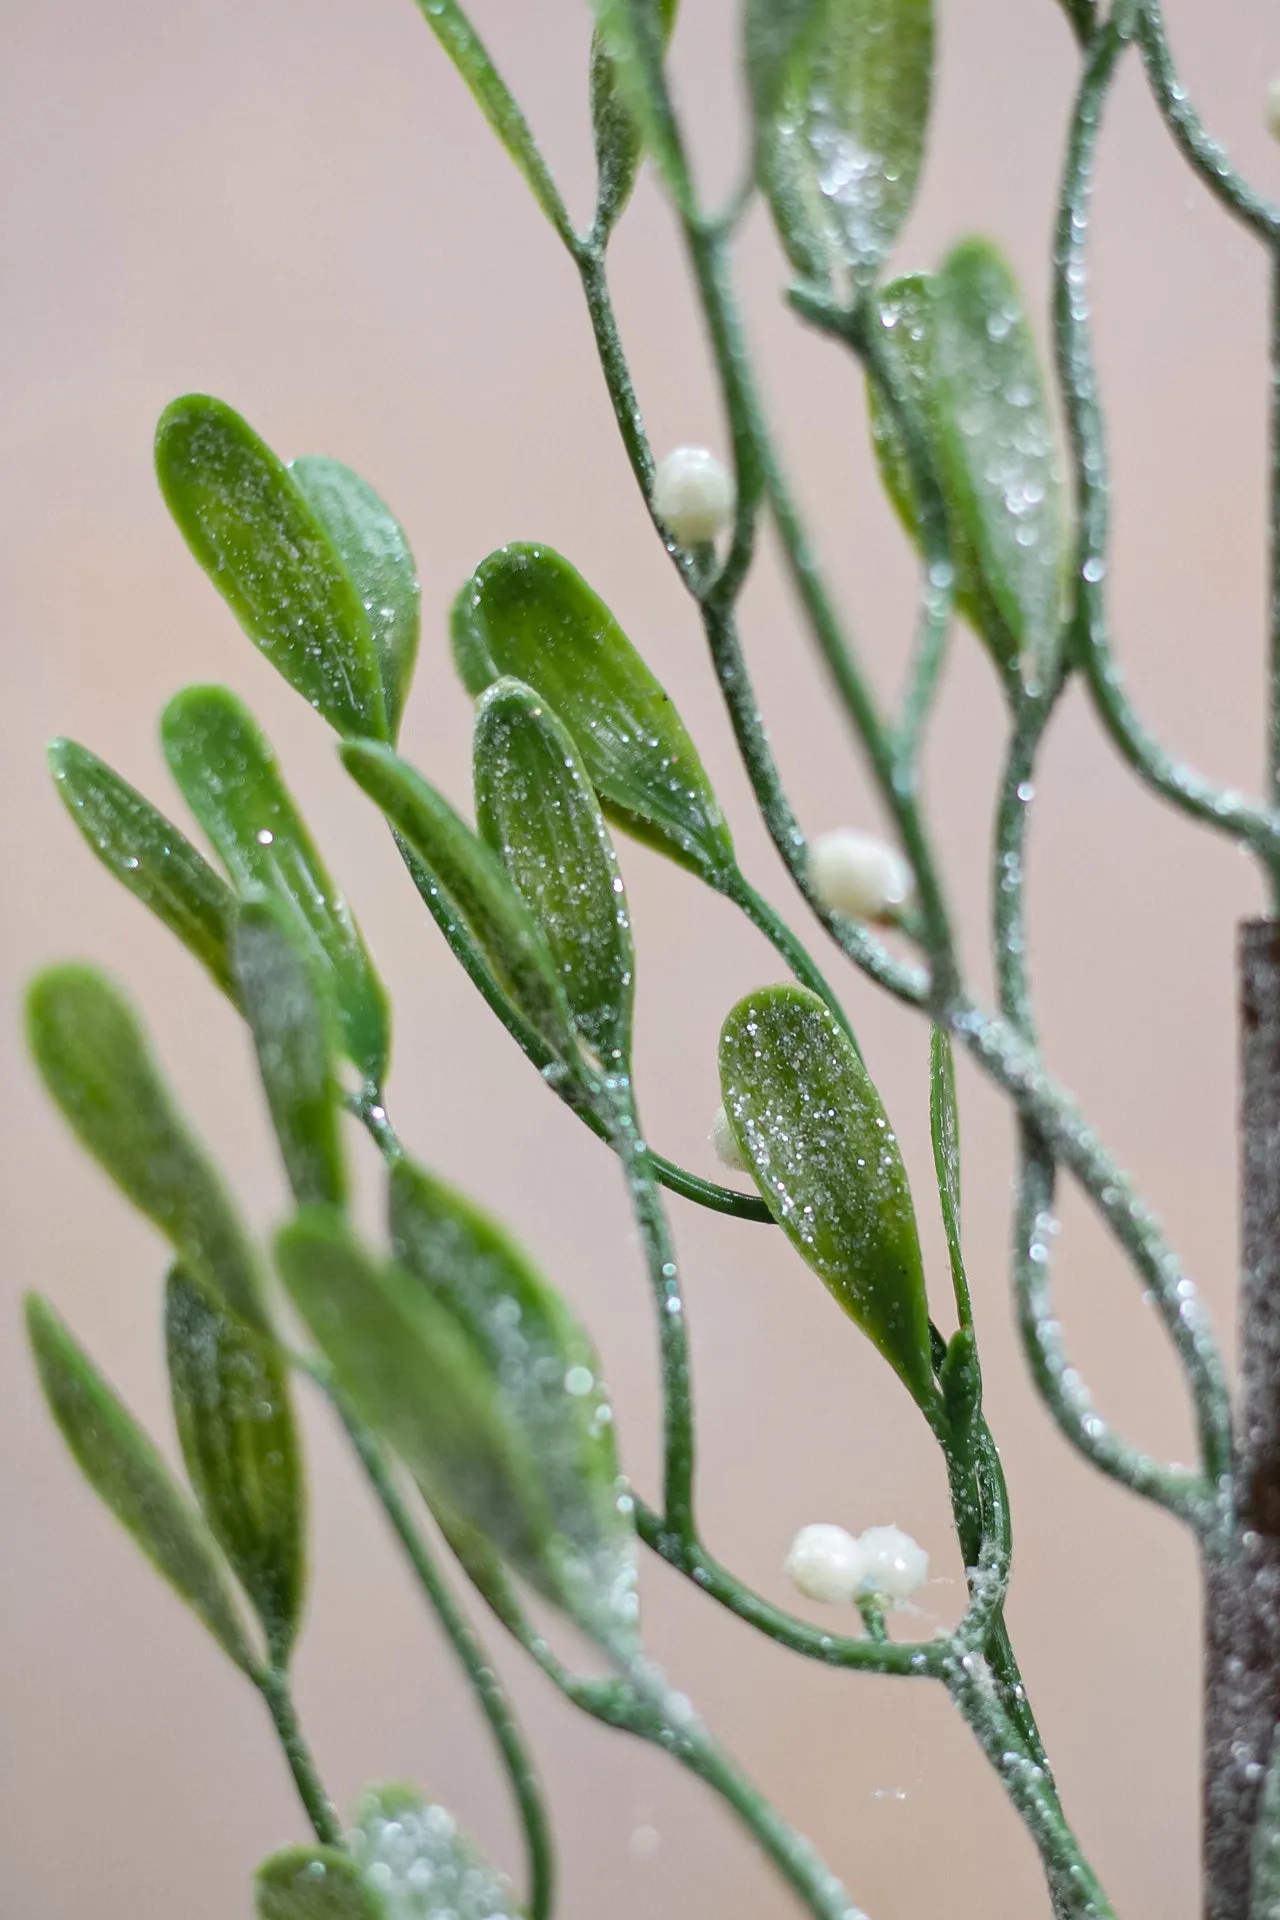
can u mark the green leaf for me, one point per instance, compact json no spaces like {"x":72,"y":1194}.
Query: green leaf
{"x":476,"y":883}
{"x":530,"y":615}
{"x":149,"y":854}
{"x":841,"y":92}
{"x":291,"y":1026}
{"x":537,"y":809}
{"x":254,"y":533}
{"x":128,"y":1475}
{"x":314,"y":1883}
{"x":1264,"y":1903}
{"x":909,"y":321}
{"x":94,"y":1059}
{"x":419,"y":1381}
{"x":961,"y":1381}
{"x":231,"y":781}
{"x":235,"y":1422}
{"x":547,"y":1373}
{"x":489,"y":90}
{"x":423,"y":1867}
{"x":634,"y":36}
{"x":372,"y":546}
{"x":998,"y":446}
{"x":619,"y":141}
{"x":810,"y":1126}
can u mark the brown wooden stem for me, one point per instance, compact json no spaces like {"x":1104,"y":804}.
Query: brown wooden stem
{"x":1242,"y":1585}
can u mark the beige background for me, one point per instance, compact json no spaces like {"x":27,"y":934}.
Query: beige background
{"x":293,"y":203}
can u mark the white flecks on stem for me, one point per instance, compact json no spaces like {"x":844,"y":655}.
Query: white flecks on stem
{"x":858,"y":874}
{"x":826,"y":1563}
{"x":694,"y":494}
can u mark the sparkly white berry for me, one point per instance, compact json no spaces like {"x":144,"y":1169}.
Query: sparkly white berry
{"x":826,"y":1563}
{"x":726,"y":1147}
{"x":893,"y":1565}
{"x":857,"y":874}
{"x":694,"y":494}
{"x":1273,"y":109}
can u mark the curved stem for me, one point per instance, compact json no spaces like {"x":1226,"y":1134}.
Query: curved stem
{"x":780,"y":936}
{"x":1206,"y":157}
{"x":1077,"y":1890}
{"x":273,"y":1684}
{"x":1077,"y":375}
{"x":497,"y":1709}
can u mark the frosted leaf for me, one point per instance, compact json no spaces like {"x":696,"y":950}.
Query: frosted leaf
{"x":412,"y":1854}
{"x":538,"y":811}
{"x":811,"y":1127}
{"x":842,"y":92}
{"x":1002,"y":475}
{"x":527,"y":613}
{"x":548,"y":1379}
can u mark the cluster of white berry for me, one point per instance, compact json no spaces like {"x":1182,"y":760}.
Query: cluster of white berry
{"x":883,"y":1564}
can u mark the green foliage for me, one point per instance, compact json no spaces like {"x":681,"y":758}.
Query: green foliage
{"x":967,"y":360}
{"x":618,"y":134}
{"x":96,"y":1063}
{"x":232,"y":783}
{"x":128,"y":1475}
{"x":266,"y":550}
{"x":530,"y":615}
{"x":841,"y":92}
{"x":293,"y":1033}
{"x":537,"y":810}
{"x":547,"y":1370}
{"x":475,"y":881}
{"x":810,"y":1126}
{"x":314,"y":1883}
{"x":423,"y":1867}
{"x":235,"y":1421}
{"x":149,"y":855}
{"x":372,"y":546}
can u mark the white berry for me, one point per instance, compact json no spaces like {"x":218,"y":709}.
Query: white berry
{"x":893,"y":1565}
{"x":726,"y":1147}
{"x":826,"y":1563}
{"x":694,"y":494}
{"x":857,"y":874}
{"x":1273,"y":109}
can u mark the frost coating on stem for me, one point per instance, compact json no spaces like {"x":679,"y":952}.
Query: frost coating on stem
{"x":827,"y":1564}
{"x":894,"y":1566}
{"x":858,"y":874}
{"x":694,"y":493}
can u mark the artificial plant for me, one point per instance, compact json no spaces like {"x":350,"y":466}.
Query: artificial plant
{"x":468,"y":1388}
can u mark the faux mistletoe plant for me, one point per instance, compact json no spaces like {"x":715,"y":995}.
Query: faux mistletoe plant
{"x":469,"y":1390}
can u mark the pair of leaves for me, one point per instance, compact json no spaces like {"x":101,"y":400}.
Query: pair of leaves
{"x":840,"y":94}
{"x":230,"y":1392}
{"x":408,"y":1861}
{"x":230,"y":779}
{"x":527,"y":614}
{"x":966,"y":361}
{"x":310,"y":560}
{"x":467,"y":1362}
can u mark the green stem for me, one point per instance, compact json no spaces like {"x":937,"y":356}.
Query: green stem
{"x":273,"y":1685}
{"x":497,"y":1709}
{"x":668,"y":1300}
{"x":1206,"y":157}
{"x":780,"y":936}
{"x":1076,"y":1888}
{"x":1082,"y":15}
{"x":1226,"y":811}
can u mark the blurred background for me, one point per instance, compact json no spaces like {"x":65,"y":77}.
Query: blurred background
{"x":297,"y":207}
